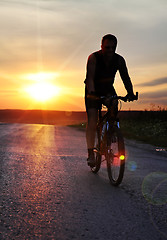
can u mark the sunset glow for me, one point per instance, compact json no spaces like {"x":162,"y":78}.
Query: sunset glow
{"x":41,"y":76}
{"x":44,"y":55}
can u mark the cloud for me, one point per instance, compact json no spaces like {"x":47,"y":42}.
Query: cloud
{"x":58,"y":33}
{"x":156,"y":97}
{"x":155,"y":82}
{"x":161,"y":94}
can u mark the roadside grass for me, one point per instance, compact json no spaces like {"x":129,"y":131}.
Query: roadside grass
{"x":149,"y":127}
{"x":151,"y":131}
{"x":79,"y":126}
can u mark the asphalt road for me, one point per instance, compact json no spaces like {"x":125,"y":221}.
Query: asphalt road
{"x":48,"y":191}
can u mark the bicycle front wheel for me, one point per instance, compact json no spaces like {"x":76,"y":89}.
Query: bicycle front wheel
{"x":115,"y":157}
{"x":97,"y":154}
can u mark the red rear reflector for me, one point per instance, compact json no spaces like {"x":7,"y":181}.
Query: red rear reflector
{"x":122,"y":157}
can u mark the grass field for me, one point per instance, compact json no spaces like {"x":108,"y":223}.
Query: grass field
{"x":147,"y":126}
{"x":153,"y":131}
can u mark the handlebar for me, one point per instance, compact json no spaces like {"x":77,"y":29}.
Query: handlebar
{"x":115,"y":97}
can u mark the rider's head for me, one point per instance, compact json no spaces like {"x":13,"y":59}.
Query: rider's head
{"x":109,"y":44}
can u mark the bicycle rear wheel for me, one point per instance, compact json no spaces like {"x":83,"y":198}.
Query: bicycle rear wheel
{"x":115,"y":157}
{"x":97,"y":154}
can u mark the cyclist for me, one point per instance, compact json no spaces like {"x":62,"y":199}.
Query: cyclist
{"x":102,"y":66}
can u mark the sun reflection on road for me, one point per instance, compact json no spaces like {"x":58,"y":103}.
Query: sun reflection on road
{"x":38,"y":185}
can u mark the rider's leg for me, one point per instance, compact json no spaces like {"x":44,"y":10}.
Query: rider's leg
{"x":92,"y":116}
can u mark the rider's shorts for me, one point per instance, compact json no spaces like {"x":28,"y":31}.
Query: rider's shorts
{"x":95,"y":103}
{"x":91,"y":102}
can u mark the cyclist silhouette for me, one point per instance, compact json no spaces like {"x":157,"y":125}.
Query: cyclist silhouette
{"x":101,"y":70}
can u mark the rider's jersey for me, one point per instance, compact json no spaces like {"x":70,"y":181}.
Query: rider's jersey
{"x":105,"y":74}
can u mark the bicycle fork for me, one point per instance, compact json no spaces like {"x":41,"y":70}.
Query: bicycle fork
{"x":110,"y":136}
{"x":105,"y":138}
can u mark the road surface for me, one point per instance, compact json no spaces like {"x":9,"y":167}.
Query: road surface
{"x":48,"y":191}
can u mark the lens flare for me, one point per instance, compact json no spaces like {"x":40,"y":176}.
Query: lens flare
{"x":154,"y":188}
{"x":132,"y":166}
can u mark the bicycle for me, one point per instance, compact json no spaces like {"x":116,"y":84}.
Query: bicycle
{"x":110,"y":143}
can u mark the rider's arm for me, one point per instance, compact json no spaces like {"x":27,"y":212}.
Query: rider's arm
{"x":91,"y":64}
{"x":125,"y":76}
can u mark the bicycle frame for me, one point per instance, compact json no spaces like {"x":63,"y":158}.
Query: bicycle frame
{"x":105,"y":124}
{"x":107,"y":116}
{"x":110,"y":143}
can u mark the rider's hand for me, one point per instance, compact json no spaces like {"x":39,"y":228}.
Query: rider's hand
{"x":131,"y":97}
{"x":107,"y":100}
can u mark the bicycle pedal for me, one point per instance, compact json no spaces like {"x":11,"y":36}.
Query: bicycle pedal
{"x":113,"y":139}
{"x":91,"y":163}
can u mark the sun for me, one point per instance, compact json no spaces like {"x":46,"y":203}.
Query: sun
{"x":42,"y":92}
{"x":41,"y":76}
{"x":43,"y":89}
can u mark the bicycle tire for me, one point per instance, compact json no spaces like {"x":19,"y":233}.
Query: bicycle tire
{"x":115,"y":157}
{"x":97,"y":154}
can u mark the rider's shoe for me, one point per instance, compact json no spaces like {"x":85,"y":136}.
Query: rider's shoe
{"x":91,"y":160}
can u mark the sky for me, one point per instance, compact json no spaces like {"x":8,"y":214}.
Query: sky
{"x":44,"y":46}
